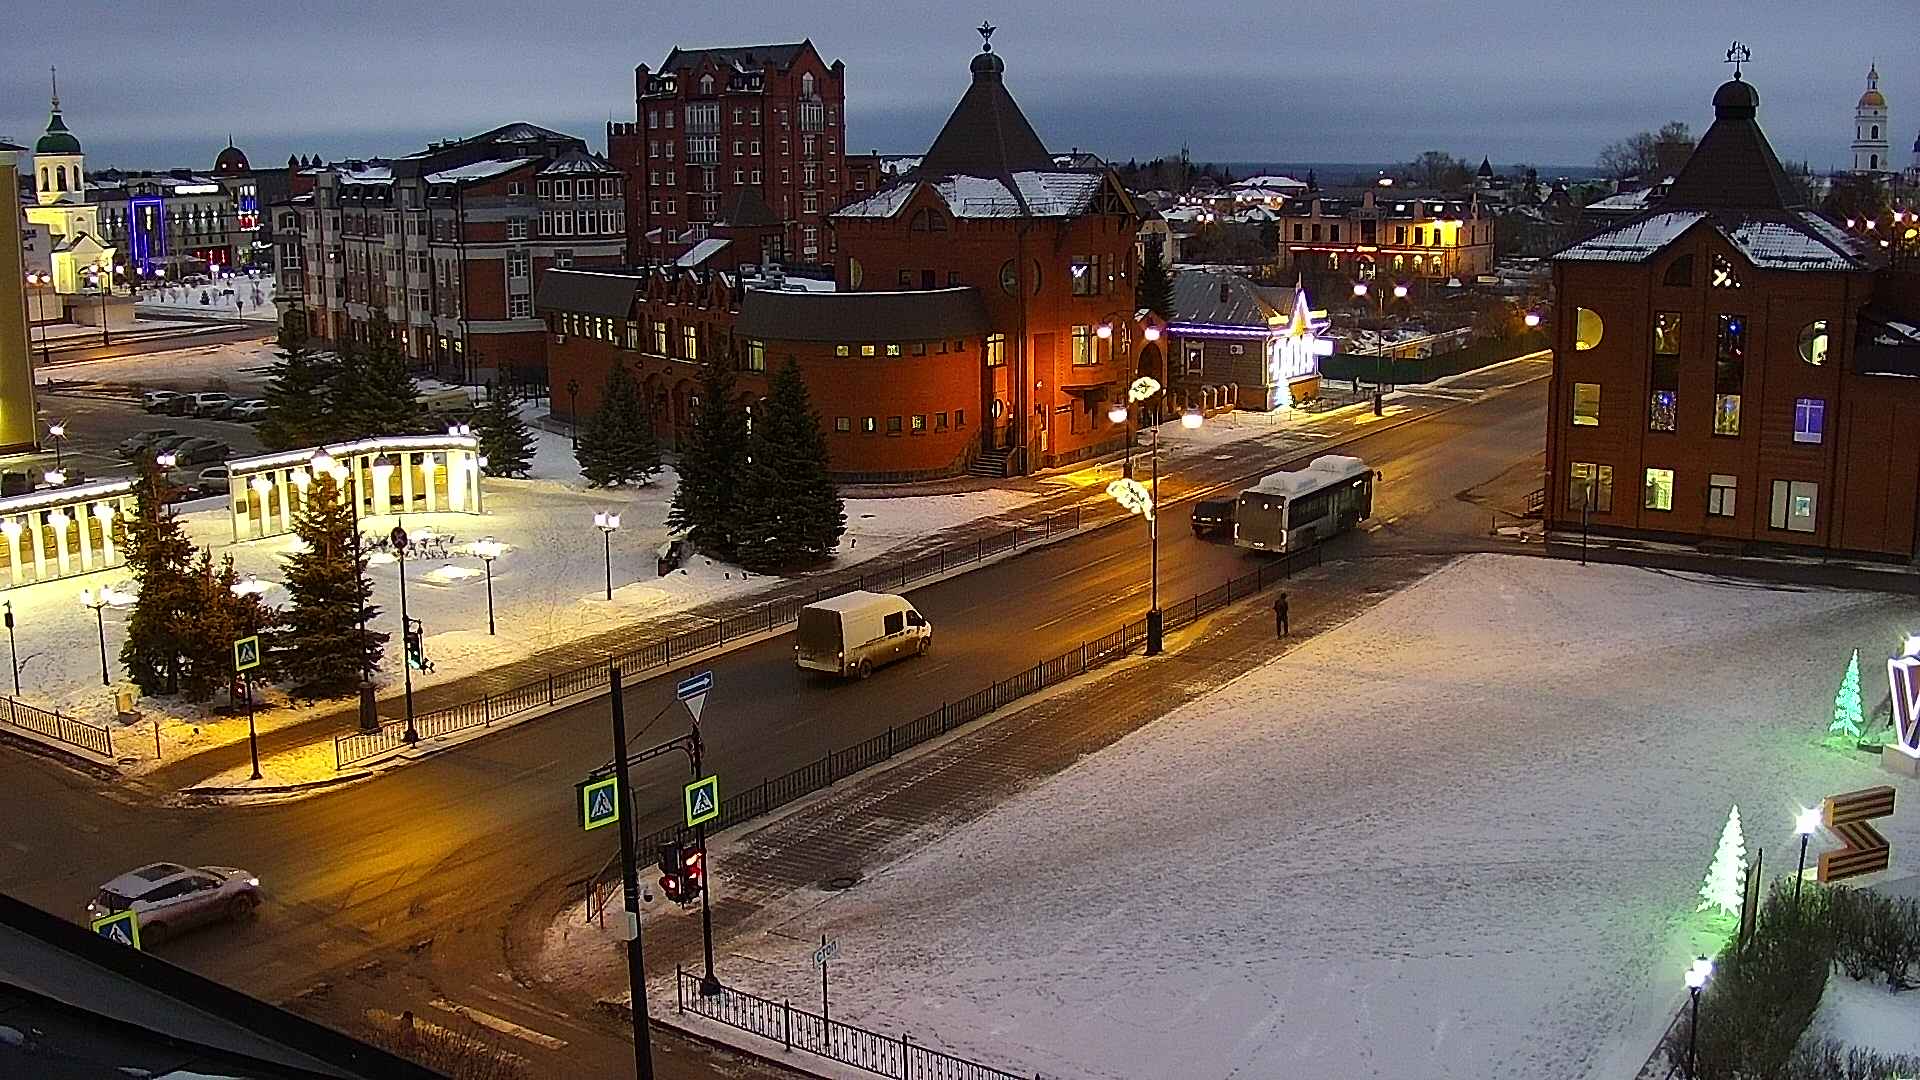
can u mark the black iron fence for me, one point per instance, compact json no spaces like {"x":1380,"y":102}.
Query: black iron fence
{"x":775,"y":792}
{"x":592,"y":678}
{"x":894,"y":1057}
{"x":70,"y":730}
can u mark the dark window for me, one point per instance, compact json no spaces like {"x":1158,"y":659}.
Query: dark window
{"x":953,"y":278}
{"x":895,"y":622}
{"x":928,"y":279}
{"x":919,"y":348}
{"x":1679,"y":271}
{"x":939,"y":421}
{"x":843,"y":424}
{"x":893,"y":425}
{"x":906,"y":279}
{"x":960,"y":417}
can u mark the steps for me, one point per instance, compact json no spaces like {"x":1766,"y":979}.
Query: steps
{"x":991,"y":464}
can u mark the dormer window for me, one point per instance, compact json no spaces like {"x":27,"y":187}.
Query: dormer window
{"x":706,"y":84}
{"x":806,"y":84}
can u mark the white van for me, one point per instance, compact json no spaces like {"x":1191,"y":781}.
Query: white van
{"x":853,"y":633}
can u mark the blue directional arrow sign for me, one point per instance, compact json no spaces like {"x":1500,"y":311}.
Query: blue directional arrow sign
{"x":693,"y":691}
{"x":122,"y":928}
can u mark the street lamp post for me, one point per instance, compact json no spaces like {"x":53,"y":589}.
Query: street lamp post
{"x":1137,"y":394}
{"x":57,"y":431}
{"x":607,"y":523}
{"x":1806,"y":824}
{"x":1697,"y":974}
{"x":573,"y":411}
{"x":13,"y":648}
{"x":399,"y":539}
{"x":35,"y":280}
{"x":488,"y":549}
{"x":98,"y":602}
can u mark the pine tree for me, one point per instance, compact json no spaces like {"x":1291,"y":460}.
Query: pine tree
{"x":710,"y":462}
{"x":618,"y":446}
{"x":1848,"y":722}
{"x":220,"y":616}
{"x":504,"y":437}
{"x":160,"y":557}
{"x":1154,"y":290}
{"x":789,"y":510}
{"x":297,"y":396}
{"x":1726,"y":882}
{"x":373,"y":393}
{"x":320,"y":641}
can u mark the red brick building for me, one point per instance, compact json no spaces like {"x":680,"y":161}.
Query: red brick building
{"x":713,"y":123}
{"x":444,"y":247}
{"x":1728,"y":365}
{"x":982,"y":314}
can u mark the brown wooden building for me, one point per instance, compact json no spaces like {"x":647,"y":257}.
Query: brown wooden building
{"x":1730,"y":366}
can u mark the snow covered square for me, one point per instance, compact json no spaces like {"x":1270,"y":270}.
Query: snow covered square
{"x":1461,"y":836}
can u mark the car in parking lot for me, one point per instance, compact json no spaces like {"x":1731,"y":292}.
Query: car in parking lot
{"x":168,"y":898}
{"x":169,"y":444}
{"x":210,"y":403}
{"x":247,"y":412}
{"x":201,"y":452}
{"x":135,"y":445}
{"x":157,"y":400}
{"x":212,"y":480}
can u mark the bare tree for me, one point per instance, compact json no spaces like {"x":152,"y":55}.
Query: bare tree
{"x":1650,"y":155}
{"x":1436,"y":170}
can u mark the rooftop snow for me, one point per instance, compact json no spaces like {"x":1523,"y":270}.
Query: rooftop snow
{"x":1045,"y":194}
{"x":479,"y":170}
{"x":702,"y":251}
{"x":1774,"y":245}
{"x":1634,"y":241}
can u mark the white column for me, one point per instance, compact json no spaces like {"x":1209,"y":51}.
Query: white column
{"x":382,"y":490}
{"x":458,"y":462}
{"x":59,"y":521}
{"x":284,"y":491}
{"x":85,"y":528}
{"x":427,"y":478}
{"x":473,"y":475}
{"x":11,"y":529}
{"x":104,"y":514}
{"x":406,"y":481}
{"x":239,"y":506}
{"x":39,"y":545}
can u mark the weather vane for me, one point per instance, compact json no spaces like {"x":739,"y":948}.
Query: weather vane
{"x":986,"y":35}
{"x":1738,"y":54}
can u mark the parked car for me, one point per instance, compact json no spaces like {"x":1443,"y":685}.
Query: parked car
{"x":247,"y":412}
{"x":169,"y":898}
{"x":212,"y":403}
{"x":135,"y":445}
{"x":169,"y":444}
{"x":212,"y":480}
{"x":853,"y":633}
{"x":155,"y":401}
{"x":1212,"y":516}
{"x":201,"y":452}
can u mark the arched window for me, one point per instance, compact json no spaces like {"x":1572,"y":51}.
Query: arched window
{"x":60,"y":177}
{"x":806,"y":84}
{"x":706,"y":84}
{"x":1873,"y":161}
{"x":1399,"y":263}
{"x":1876,"y":132}
{"x":43,"y":178}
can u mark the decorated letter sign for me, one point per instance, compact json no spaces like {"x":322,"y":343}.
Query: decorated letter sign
{"x":1295,"y":351}
{"x":1903,"y":679}
{"x":1866,"y":851}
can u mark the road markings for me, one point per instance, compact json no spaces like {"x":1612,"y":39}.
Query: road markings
{"x":495,"y":1023}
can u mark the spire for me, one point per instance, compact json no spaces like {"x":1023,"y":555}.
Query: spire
{"x":55,"y":72}
{"x":1733,"y":167}
{"x":1873,"y":76}
{"x":57,"y":140}
{"x":987,"y":134}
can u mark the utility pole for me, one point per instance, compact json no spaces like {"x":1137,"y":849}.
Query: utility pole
{"x":709,"y":983}
{"x":630,"y":878}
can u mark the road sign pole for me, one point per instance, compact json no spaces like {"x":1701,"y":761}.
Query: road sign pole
{"x":709,"y":983}
{"x":823,"y":980}
{"x":253,"y":738}
{"x":630,"y":878}
{"x":406,"y":662}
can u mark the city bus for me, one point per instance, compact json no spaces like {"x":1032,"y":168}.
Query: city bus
{"x":1287,"y":511}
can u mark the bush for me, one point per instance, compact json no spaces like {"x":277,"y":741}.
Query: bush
{"x":1829,"y":1060}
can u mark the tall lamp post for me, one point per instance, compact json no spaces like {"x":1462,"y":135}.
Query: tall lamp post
{"x":573,"y":411}
{"x":1127,"y":491}
{"x":98,"y":602}
{"x":1697,"y":974}
{"x":488,"y":549}
{"x":607,"y":524}
{"x":13,"y":647}
{"x":1806,"y":824}
{"x":37,"y":281}
{"x":398,"y":537}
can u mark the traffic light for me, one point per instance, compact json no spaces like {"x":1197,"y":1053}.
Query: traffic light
{"x":415,"y":634}
{"x":681,"y":874}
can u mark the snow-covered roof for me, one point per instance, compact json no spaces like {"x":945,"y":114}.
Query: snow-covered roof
{"x":1032,"y":193}
{"x":576,"y":161}
{"x":1271,"y":181}
{"x":1625,"y":202}
{"x":1770,"y":240}
{"x":1773,"y":245}
{"x":1635,"y":240}
{"x":479,"y":170}
{"x":372,"y":174}
{"x":1328,"y":468}
{"x":702,"y":251}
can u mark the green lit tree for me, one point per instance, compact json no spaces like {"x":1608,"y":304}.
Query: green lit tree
{"x":504,"y":437}
{"x":1848,"y":723}
{"x":298,"y":396}
{"x":1155,"y":289}
{"x":1726,"y":881}
{"x":618,"y":446}
{"x":711,"y":460}
{"x":161,"y":558}
{"x":789,"y":511}
{"x":320,"y":641}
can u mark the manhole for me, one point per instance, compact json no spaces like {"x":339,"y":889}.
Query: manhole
{"x":844,"y":881}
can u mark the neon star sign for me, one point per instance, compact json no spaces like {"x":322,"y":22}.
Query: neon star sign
{"x":1294,"y":351}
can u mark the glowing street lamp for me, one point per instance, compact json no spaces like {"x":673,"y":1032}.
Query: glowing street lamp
{"x":1104,"y":331}
{"x":488,"y":549}
{"x":1532,"y":319}
{"x":98,"y":602}
{"x":1151,"y":333}
{"x":1805,"y":824}
{"x":1697,"y":974}
{"x":607,"y":524}
{"x":1146,"y":502}
{"x":56,"y":477}
{"x":1400,"y":291}
{"x":167,"y":460}
{"x":57,"y":431}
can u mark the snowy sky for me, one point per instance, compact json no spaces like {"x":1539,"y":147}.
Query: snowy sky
{"x":1540,"y":81}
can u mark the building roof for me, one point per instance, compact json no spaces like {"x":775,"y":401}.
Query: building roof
{"x":922,"y":315}
{"x":987,"y":134}
{"x":746,"y":209}
{"x":57,"y":140}
{"x":739,"y":58}
{"x":1044,"y":193}
{"x":1199,"y":297}
{"x":1771,"y":240}
{"x":1887,"y":344}
{"x":1733,"y":167}
{"x":520,"y":132}
{"x":702,"y":252}
{"x":578,"y":161}
{"x":589,"y":292}
{"x":478,"y":170}
{"x":75,"y":1004}
{"x":231,"y":161}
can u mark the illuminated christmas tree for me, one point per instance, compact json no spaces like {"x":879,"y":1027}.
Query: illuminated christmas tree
{"x":1725,"y":886}
{"x":1848,"y":724}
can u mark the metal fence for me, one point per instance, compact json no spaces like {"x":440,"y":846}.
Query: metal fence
{"x":897,"y":1058}
{"x":774,"y":792}
{"x":72,"y":731}
{"x":592,"y":678}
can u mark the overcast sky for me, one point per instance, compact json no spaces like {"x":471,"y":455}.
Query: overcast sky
{"x":1540,"y":81}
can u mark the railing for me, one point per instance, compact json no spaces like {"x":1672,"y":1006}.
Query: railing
{"x":592,"y":678}
{"x":72,"y":731}
{"x":776,"y":792}
{"x":1536,"y":502}
{"x":797,"y":1029}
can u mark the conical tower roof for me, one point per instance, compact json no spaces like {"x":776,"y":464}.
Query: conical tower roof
{"x":1733,"y":167}
{"x":57,"y":140}
{"x":987,"y":135}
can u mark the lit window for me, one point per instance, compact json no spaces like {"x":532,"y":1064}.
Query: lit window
{"x":1726,"y":414}
{"x":868,"y":350}
{"x":1720,"y":491}
{"x":1083,"y":347}
{"x":1659,"y":489}
{"x":868,"y":425}
{"x":1813,"y":342}
{"x":1723,"y":273}
{"x":1666,"y":333}
{"x":843,"y":424}
{"x":893,"y":348}
{"x":1809,"y":419}
{"x":689,"y":342}
{"x":1662,"y":410}
{"x":919,"y":424}
{"x":756,"y":355}
{"x":996,"y":350}
{"x":1590,"y":487}
{"x":1794,"y":505}
{"x":1586,"y":404}
{"x":1587,"y":328}
{"x":843,"y":350}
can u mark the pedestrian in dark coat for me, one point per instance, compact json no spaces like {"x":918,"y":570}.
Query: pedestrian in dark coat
{"x":1280,"y":615}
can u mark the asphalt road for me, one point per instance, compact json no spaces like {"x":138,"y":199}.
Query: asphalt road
{"x":435,"y":858}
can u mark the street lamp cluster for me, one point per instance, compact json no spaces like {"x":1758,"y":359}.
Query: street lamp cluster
{"x":1361,"y":290}
{"x":1129,"y":493}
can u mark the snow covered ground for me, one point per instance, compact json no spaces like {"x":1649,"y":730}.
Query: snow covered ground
{"x":242,"y":296}
{"x":233,"y":365}
{"x":1865,"y":1014}
{"x":549,"y":588}
{"x":1460,"y":836}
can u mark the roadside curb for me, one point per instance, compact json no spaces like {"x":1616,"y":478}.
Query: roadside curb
{"x":230,"y":794}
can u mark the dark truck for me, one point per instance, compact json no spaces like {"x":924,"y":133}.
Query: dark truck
{"x":1212,"y":516}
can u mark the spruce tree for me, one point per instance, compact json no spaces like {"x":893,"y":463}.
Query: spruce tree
{"x":618,"y":446}
{"x":297,"y":396}
{"x":220,"y":616}
{"x":1155,"y":289}
{"x":1726,"y":882}
{"x":504,"y":437}
{"x":320,"y":642}
{"x":1848,"y":721}
{"x":710,"y":463}
{"x":789,"y":510}
{"x":374,"y":393}
{"x":160,"y":557}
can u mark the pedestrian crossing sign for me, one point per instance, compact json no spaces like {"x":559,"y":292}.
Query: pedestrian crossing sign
{"x":703,"y":800}
{"x":600,"y":803}
{"x":246,"y":653}
{"x":121,"y":928}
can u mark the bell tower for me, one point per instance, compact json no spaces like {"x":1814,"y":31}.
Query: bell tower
{"x":1871,"y":153}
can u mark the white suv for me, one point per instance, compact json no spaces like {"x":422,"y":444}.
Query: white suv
{"x":171,"y":898}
